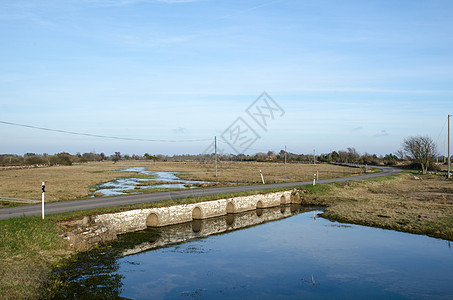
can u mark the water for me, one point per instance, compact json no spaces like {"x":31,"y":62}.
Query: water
{"x":300,"y":256}
{"x":121,"y":185}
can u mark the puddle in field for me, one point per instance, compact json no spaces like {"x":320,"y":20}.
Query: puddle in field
{"x":121,"y":185}
{"x":278,"y":253}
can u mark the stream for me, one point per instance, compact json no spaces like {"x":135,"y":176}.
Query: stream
{"x":285,"y":252}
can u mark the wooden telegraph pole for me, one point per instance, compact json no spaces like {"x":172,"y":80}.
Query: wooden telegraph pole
{"x":449,"y":167}
{"x":215,"y":146}
{"x":285,"y":154}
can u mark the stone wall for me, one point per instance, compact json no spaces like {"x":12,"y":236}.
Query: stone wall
{"x":106,"y":227}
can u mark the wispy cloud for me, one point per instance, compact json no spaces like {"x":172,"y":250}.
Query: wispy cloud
{"x":151,"y":41}
{"x":370,"y":90}
{"x":382,"y":133}
{"x":248,"y":9}
{"x":121,"y":3}
{"x":176,"y":1}
{"x":180,"y":130}
{"x":26,"y":16}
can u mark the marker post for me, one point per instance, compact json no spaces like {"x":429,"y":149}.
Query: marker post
{"x":43,"y":192}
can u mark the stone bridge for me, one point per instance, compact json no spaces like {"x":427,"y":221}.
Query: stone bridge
{"x":179,"y":233}
{"x":106,"y":227}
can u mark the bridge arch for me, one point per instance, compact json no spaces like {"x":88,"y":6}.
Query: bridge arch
{"x":295,"y":197}
{"x":196,"y":226}
{"x":230,"y":208}
{"x":259,"y":208}
{"x":283,"y":209}
{"x":283,"y":200}
{"x":152,"y":220}
{"x":196,"y":213}
{"x":259,"y":212}
{"x":230,"y":219}
{"x":259,"y":204}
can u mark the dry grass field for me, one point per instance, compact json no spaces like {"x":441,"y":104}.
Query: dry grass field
{"x":77,"y":181}
{"x":62,"y":182}
{"x":408,"y":202}
{"x":249,"y":172}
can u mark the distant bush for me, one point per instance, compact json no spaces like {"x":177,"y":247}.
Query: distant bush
{"x":417,"y":166}
{"x":63,"y":159}
{"x":11,"y":160}
{"x":35,"y":160}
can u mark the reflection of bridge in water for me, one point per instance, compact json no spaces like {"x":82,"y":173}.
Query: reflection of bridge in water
{"x":179,"y":233}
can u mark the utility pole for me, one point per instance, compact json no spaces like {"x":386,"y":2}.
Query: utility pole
{"x":285,"y":154}
{"x":286,"y":174}
{"x":314,"y":157}
{"x":449,"y":167}
{"x":215,"y":147}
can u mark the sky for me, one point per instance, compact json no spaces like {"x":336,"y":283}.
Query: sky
{"x":167,"y":76}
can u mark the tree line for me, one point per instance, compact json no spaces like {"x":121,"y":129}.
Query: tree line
{"x":418,"y":150}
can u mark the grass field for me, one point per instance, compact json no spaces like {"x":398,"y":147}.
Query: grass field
{"x":77,"y":181}
{"x":62,"y":182}
{"x":249,"y":172}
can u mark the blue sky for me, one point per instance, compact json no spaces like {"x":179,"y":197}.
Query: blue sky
{"x":363,"y":74}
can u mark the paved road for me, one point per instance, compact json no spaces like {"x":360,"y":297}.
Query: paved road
{"x":59,"y":207}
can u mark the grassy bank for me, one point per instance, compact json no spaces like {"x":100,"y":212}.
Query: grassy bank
{"x":406,"y":202}
{"x":28,"y":248}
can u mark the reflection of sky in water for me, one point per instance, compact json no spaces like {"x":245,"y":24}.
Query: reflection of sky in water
{"x":294,"y":258}
{"x":117,"y":187}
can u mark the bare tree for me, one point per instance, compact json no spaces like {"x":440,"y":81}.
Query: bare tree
{"x":400,"y":154}
{"x":353,"y":155}
{"x":116,"y":157}
{"x":422,"y":149}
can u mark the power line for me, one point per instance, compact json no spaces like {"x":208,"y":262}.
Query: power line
{"x":441,"y":131}
{"x":248,"y":148}
{"x":102,"y":136}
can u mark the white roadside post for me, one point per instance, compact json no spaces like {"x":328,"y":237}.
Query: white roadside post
{"x":43,"y":192}
{"x":314,"y":179}
{"x":262,"y":178}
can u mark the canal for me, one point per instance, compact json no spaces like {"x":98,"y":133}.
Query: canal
{"x":285,"y":252}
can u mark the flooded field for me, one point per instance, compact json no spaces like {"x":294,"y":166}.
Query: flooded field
{"x":156,"y":180}
{"x":283,"y":252}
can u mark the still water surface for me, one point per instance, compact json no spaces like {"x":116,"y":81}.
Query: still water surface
{"x":300,"y":256}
